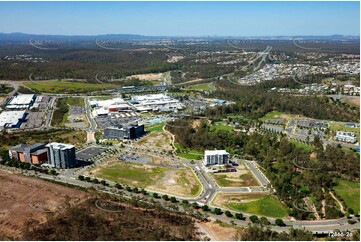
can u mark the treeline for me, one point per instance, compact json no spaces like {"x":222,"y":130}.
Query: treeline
{"x":85,"y":64}
{"x":255,"y":103}
{"x":276,"y":155}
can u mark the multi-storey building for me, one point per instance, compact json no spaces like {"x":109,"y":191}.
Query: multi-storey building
{"x":61,"y":155}
{"x":34,"y":154}
{"x":124,"y":132}
{"x":216,"y":157}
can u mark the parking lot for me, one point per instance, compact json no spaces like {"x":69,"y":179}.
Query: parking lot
{"x":89,"y":153}
{"x":34,"y":120}
{"x":76,"y":110}
{"x":105,"y":122}
{"x":134,"y":157}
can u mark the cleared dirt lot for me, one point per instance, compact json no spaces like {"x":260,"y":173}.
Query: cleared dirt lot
{"x":217,"y":231}
{"x":242,"y":177}
{"x":147,"y":77}
{"x":24,"y":198}
{"x":353,"y":100}
{"x":155,"y":141}
{"x":181,"y":182}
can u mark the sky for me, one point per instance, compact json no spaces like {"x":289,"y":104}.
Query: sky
{"x":181,"y":18}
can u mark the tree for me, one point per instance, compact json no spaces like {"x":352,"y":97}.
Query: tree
{"x":350,"y":211}
{"x":129,"y":189}
{"x":217,"y":211}
{"x":195,"y":205}
{"x":87,"y":179}
{"x":118,"y":186}
{"x":95,"y":180}
{"x":239,"y":216}
{"x":103,"y":182}
{"x":80,"y":177}
{"x":228,"y":213}
{"x":165,"y":197}
{"x":144,"y":192}
{"x":185,"y":202}
{"x":205,"y":208}
{"x":135,"y":189}
{"x":155,"y":195}
{"x":279,"y":222}
{"x":264,"y":221}
{"x":254,"y":219}
{"x":173,"y":200}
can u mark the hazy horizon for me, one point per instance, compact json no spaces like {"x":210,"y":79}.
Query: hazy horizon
{"x":199,"y":19}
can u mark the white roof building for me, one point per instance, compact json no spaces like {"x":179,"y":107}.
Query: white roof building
{"x":60,"y":146}
{"x":21,"y":101}
{"x":11,"y":119}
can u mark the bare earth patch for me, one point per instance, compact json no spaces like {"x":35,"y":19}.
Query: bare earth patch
{"x":176,"y":182}
{"x":155,"y":141}
{"x":24,"y":198}
{"x":222,"y":199}
{"x":216,"y":232}
{"x":353,"y":101}
{"x":242,"y":177}
{"x":147,"y":77}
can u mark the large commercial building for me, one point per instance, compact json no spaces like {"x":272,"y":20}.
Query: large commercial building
{"x":61,"y":155}
{"x":132,"y":131}
{"x":34,"y":154}
{"x":21,"y":101}
{"x":12,"y":119}
{"x":104,"y":107}
{"x":216,"y":157}
{"x":155,"y":102}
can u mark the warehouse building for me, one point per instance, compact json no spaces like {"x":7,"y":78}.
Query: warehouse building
{"x":132,"y":131}
{"x":12,"y":119}
{"x":61,"y":155}
{"x":155,"y":102}
{"x":34,"y":154}
{"x":216,"y":157}
{"x":21,"y":101}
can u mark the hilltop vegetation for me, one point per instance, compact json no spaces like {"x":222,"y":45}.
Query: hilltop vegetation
{"x":276,"y":155}
{"x":255,"y":103}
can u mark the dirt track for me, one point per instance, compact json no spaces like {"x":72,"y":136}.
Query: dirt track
{"x":23,"y":198}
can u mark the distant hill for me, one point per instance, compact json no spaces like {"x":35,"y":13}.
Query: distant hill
{"x":23,"y":37}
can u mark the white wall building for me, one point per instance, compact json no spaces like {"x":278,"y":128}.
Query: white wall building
{"x":216,"y":157}
{"x":348,"y":137}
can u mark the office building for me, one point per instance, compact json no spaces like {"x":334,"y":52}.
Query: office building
{"x":61,"y":155}
{"x":216,"y":157}
{"x":34,"y":154}
{"x":132,"y":131}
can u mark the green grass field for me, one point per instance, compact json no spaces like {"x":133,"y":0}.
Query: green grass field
{"x":195,"y":189}
{"x":201,"y":87}
{"x":131,"y":174}
{"x":271,"y":115}
{"x":304,"y":147}
{"x":55,"y":86}
{"x":221,"y":126}
{"x":154,"y":127}
{"x":188,"y":153}
{"x":350,"y":192}
{"x":265,"y":206}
